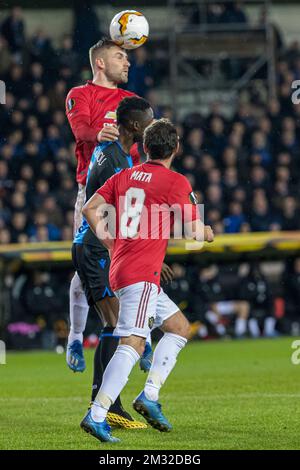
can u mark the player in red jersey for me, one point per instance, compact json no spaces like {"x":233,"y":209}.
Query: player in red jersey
{"x":143,"y":198}
{"x":91,"y":108}
{"x":91,"y":111}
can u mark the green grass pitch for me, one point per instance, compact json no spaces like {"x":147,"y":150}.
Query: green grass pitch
{"x":221,"y":395}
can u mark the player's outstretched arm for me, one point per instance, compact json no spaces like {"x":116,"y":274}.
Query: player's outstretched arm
{"x":95,"y":212}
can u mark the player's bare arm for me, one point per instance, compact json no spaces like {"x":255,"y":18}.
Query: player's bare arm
{"x":198,"y":231}
{"x":166,"y":273}
{"x":94,"y":212}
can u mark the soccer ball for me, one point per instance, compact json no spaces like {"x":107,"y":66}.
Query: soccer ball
{"x":129,"y":29}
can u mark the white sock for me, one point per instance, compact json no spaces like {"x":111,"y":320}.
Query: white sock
{"x":79,"y":310}
{"x":164,"y":359}
{"x":269,"y":326}
{"x":100,"y":408}
{"x":240,"y":326}
{"x":253,"y":328}
{"x":114,"y":380}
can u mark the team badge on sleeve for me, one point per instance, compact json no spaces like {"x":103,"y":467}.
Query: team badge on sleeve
{"x":70,"y":104}
{"x":193,"y":198}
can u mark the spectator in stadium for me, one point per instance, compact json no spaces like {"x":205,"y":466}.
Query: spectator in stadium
{"x":211,"y":300}
{"x":41,"y":228}
{"x":291,"y":294}
{"x":233,"y":13}
{"x":67,"y":56}
{"x":261,"y":217}
{"x":13,"y":30}
{"x":140,"y":78}
{"x":18,"y":226}
{"x":235,"y":218}
{"x":179,"y":289}
{"x":41,"y":49}
{"x":87,"y":28}
{"x":5,"y":56}
{"x":217,"y":139}
{"x":290,"y":214}
{"x":255,"y":288}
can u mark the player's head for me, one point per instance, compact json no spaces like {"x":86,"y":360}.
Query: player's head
{"x":110,"y":60}
{"x":134,"y":114}
{"x":161,"y":140}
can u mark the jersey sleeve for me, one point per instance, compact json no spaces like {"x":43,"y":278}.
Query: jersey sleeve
{"x":108,"y":190}
{"x":181,"y":194}
{"x":79,"y":116}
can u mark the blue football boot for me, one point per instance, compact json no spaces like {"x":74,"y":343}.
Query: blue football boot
{"x":146,"y":358}
{"x":151,"y":410}
{"x":100,"y":431}
{"x":75,"y":359}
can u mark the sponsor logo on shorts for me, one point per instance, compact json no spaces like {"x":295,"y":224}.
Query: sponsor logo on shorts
{"x":151,"y":322}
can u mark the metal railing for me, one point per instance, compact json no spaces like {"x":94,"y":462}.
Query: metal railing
{"x":189,"y":43}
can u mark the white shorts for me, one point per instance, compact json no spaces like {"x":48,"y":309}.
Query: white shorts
{"x":80,"y":200}
{"x":142,"y":308}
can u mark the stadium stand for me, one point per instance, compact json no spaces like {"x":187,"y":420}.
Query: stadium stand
{"x":245,"y":168}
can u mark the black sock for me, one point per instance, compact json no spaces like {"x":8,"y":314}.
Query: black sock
{"x":103,"y":354}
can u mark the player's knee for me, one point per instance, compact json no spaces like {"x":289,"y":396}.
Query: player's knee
{"x":184,"y":328}
{"x":178,"y":325}
{"x":136,"y":342}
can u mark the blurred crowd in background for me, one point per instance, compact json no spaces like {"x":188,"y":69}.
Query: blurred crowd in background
{"x":245,"y":169}
{"x":220,"y":301}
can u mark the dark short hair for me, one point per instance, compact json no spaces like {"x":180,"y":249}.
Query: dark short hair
{"x":104,"y":43}
{"x":129,"y":109}
{"x":160,"y":139}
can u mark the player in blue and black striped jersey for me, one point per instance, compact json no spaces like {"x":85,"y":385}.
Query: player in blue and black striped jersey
{"x":90,"y":257}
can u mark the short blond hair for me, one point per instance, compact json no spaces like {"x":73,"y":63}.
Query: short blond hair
{"x":98,"y":48}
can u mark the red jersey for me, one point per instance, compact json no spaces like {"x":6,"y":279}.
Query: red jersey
{"x":88,"y":108}
{"x":142,"y":196}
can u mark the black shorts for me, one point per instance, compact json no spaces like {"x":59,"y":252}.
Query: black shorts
{"x":92,"y":266}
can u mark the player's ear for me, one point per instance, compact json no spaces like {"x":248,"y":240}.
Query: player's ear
{"x":136,"y":125}
{"x":99,"y":62}
{"x":145,"y":149}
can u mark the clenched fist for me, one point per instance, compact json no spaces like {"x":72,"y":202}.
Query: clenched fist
{"x":208,"y":234}
{"x":108,"y":133}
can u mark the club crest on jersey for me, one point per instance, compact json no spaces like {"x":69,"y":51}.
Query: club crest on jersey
{"x":70,"y":104}
{"x":193,"y":198}
{"x":111,"y":115}
{"x":151,"y":322}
